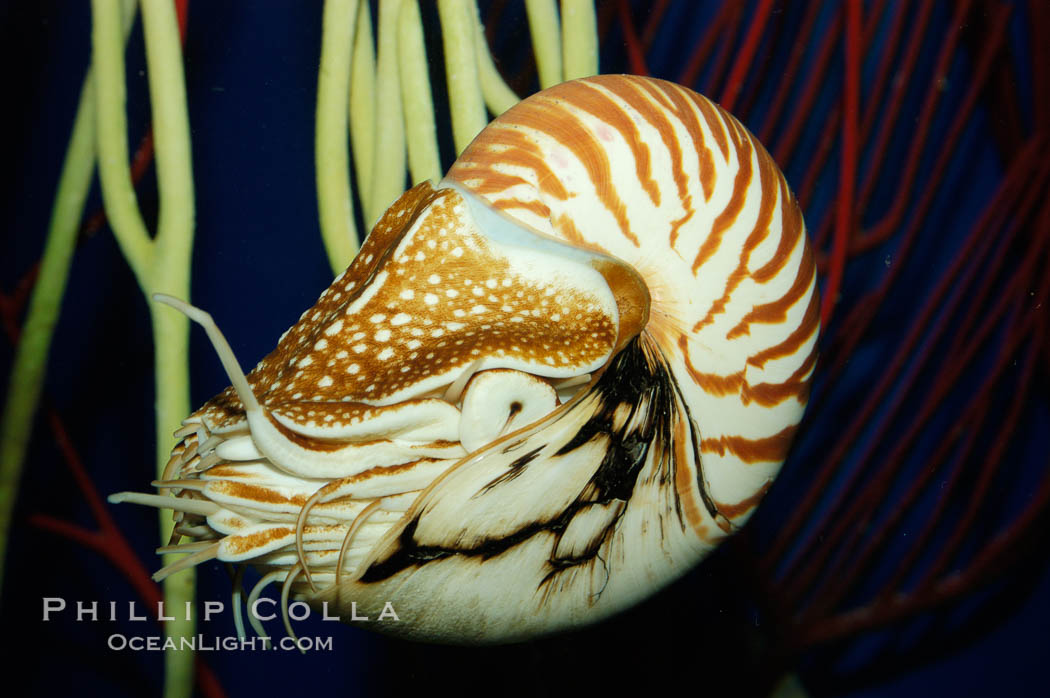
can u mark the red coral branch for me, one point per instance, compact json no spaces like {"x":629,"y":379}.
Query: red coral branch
{"x":845,"y":214}
{"x":747,"y":52}
{"x":635,"y":50}
{"x":703,"y":48}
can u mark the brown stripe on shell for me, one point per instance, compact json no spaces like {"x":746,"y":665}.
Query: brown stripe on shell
{"x":732,"y":511}
{"x":684,"y":109}
{"x":640,"y":95}
{"x":714,"y":120}
{"x":791,"y":228}
{"x":765,"y":394}
{"x":519,"y":151}
{"x":675,"y":101}
{"x":728,"y":216}
{"x":485,"y":180}
{"x":564,"y":225}
{"x":708,"y":175}
{"x":770,"y":449}
{"x":758,"y":233}
{"x":796,"y":386}
{"x":808,"y":327}
{"x":776,"y":311}
{"x":537,"y":207}
{"x":677,"y":224}
{"x":634,"y":95}
{"x":705,"y":164}
{"x":659,"y":90}
{"x":710,"y":383}
{"x":600,"y":106}
{"x":573,"y":135}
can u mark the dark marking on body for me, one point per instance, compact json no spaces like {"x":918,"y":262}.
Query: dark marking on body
{"x":638,"y":375}
{"x":516,"y":468}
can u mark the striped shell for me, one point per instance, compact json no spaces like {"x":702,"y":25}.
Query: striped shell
{"x":543,"y":390}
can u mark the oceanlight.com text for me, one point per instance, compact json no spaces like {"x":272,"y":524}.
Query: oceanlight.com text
{"x":199,"y":643}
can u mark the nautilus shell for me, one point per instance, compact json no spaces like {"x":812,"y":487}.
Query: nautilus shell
{"x":545,"y":388}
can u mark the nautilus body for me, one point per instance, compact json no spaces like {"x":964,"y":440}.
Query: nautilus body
{"x":543,"y":390}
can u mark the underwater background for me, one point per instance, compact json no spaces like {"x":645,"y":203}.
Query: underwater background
{"x":902,"y":550}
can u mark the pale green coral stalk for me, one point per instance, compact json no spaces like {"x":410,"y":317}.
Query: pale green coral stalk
{"x":388,"y":175}
{"x":420,"y":132}
{"x":163,"y":263}
{"x":30,"y":364}
{"x":461,"y":71}
{"x":362,"y":106}
{"x":546,"y":40}
{"x":579,"y":36}
{"x":118,"y":192}
{"x":498,"y":95}
{"x":330,"y":139}
{"x":173,"y":246}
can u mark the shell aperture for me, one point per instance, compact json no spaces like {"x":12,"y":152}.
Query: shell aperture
{"x":541,"y":391}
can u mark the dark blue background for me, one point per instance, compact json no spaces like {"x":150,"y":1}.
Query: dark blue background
{"x":251,"y":72}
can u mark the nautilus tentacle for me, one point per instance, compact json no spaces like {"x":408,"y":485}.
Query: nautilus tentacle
{"x":543,"y":390}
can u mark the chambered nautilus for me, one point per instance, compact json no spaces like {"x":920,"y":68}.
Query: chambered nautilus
{"x":544,"y":389}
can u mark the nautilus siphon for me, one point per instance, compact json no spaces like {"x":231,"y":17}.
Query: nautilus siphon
{"x":545,"y":388}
